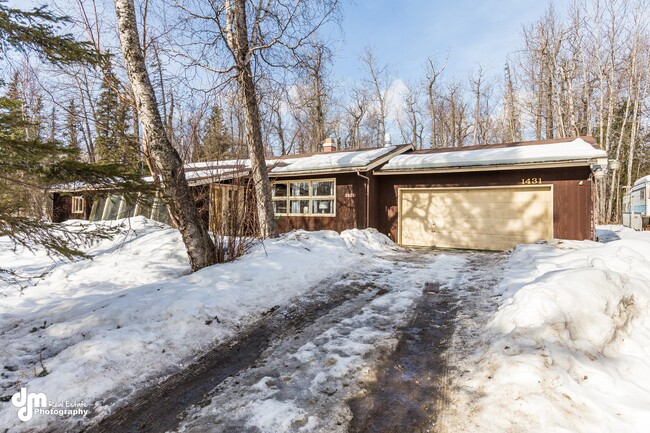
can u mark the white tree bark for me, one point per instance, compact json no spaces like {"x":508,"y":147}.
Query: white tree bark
{"x":237,"y":39}
{"x":165,"y":163}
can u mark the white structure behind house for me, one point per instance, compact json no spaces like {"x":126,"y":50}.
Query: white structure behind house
{"x":636,"y":205}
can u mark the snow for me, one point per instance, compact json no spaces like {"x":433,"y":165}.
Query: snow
{"x":303,"y":382}
{"x":568,"y":348}
{"x":132,"y":315}
{"x":577,"y":149}
{"x":195,"y":172}
{"x":323,"y":161}
{"x":317,"y":162}
{"x":332,"y":160}
{"x":644,"y":179}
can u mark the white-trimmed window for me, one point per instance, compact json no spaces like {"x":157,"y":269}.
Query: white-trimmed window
{"x":305,"y":197}
{"x":78,"y":204}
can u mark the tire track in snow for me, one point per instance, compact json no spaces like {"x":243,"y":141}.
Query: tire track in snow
{"x":414,"y":382}
{"x":302,"y":383}
{"x":161,"y":408}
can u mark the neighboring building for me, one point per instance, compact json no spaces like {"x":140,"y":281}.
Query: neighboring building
{"x":484,"y":197}
{"x":636,"y":205}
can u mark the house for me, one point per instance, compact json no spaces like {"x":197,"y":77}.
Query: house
{"x":483,"y":197}
{"x":490,"y":197}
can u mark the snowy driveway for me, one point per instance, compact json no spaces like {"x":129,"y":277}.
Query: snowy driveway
{"x":329,"y":332}
{"x":361,"y":351}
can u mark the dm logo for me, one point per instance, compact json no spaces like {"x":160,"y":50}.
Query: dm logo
{"x":27,"y":402}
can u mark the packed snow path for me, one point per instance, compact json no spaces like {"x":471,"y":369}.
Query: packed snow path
{"x":414,"y":380}
{"x":335,"y":360}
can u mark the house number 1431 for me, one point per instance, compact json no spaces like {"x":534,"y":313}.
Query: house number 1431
{"x":531,"y":181}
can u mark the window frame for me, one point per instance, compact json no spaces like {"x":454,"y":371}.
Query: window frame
{"x":309,"y":197}
{"x":78,"y":204}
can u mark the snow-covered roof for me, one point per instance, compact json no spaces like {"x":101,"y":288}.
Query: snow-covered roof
{"x":644,"y":179}
{"x":574,"y":149}
{"x":332,"y":160}
{"x":324,"y":162}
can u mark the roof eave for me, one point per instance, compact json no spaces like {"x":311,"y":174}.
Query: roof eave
{"x":368,"y":167}
{"x":491,"y":167}
{"x":217,"y":178}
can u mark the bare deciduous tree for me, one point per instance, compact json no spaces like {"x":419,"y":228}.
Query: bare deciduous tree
{"x":247,"y":40}
{"x":378,"y":81}
{"x":166,"y":164}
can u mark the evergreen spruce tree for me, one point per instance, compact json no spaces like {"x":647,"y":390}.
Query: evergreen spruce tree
{"x":217,"y":144}
{"x":71,"y":128}
{"x":115,"y":143}
{"x":29,"y":162}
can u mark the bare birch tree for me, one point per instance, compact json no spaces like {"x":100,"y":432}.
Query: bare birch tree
{"x":247,"y":40}
{"x":378,"y":81}
{"x":432,"y":81}
{"x":166,"y":164}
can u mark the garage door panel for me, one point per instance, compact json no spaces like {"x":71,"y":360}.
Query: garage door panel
{"x":490,"y":225}
{"x":418,"y":232}
{"x":489,"y":210}
{"x":481,"y":218}
{"x":481,"y":241}
{"x":488,"y":195}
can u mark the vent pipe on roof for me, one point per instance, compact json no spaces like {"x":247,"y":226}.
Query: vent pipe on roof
{"x":329,"y":145}
{"x":387,"y":139}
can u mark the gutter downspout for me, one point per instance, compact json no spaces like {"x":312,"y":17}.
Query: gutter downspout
{"x":367,"y":197}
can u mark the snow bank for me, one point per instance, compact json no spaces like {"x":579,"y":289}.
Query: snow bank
{"x":367,"y":241}
{"x":96,"y":331}
{"x":569,"y":348}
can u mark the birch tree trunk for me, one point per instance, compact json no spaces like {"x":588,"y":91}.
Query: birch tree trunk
{"x":237,"y":39}
{"x":477,"y":104}
{"x":164,"y":159}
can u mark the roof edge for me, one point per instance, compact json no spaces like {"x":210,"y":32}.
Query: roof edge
{"x":488,"y":167}
{"x":585,"y":138}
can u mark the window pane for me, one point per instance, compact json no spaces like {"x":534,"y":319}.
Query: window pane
{"x":279,"y":190}
{"x":98,"y":208}
{"x":323,"y":207}
{"x":279,"y":206}
{"x":144,"y":204}
{"x":112,"y":207}
{"x":78,"y":204}
{"x":299,"y":189}
{"x":299,"y":206}
{"x":323,"y":188}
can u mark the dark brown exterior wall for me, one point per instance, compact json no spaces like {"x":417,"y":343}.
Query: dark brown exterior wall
{"x":62,"y":206}
{"x":350,"y":205}
{"x":572,"y":202}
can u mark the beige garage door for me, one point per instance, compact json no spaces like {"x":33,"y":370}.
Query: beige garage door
{"x":475,"y":218}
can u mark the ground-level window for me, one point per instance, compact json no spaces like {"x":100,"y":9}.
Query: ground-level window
{"x":305,"y":197}
{"x":78,"y":204}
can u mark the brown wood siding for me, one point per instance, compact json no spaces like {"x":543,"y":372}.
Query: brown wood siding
{"x":572,"y":202}
{"x":350,"y":205}
{"x":62,"y":206}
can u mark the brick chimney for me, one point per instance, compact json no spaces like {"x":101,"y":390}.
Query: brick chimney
{"x":329,"y":145}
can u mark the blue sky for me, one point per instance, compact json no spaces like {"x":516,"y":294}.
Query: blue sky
{"x":404,"y":33}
